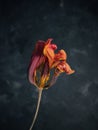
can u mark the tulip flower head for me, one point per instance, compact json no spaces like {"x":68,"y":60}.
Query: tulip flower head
{"x":45,"y":67}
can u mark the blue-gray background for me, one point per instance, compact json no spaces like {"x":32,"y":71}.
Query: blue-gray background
{"x":72,"y":103}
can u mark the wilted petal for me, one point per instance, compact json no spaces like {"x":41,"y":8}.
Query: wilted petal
{"x":43,"y":61}
{"x":54,"y":78}
{"x":32,"y":69}
{"x":39,"y":47}
{"x":36,"y":60}
{"x":64,"y":67}
{"x":49,"y":51}
{"x":68,"y":69}
{"x":60,"y":56}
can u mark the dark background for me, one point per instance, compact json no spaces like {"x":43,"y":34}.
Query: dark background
{"x":72,"y":103}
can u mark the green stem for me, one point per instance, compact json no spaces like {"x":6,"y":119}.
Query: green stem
{"x":37,"y":108}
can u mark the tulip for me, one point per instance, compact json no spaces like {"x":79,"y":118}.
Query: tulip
{"x":45,"y":67}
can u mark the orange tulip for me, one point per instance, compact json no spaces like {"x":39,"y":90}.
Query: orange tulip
{"x":45,"y":67}
{"x":44,"y":60}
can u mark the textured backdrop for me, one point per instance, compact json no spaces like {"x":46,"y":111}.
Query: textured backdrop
{"x":72,"y":103}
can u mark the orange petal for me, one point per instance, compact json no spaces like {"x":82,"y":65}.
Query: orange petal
{"x":64,"y":67}
{"x":68,"y":69}
{"x":61,"y":55}
{"x":49,"y":51}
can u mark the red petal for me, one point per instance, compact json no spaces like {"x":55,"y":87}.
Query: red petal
{"x":36,"y":60}
{"x":32,"y":69}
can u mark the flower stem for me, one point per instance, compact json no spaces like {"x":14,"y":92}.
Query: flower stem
{"x":37,"y":108}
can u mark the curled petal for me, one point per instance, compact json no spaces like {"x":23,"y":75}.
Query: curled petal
{"x":49,"y":51}
{"x":68,"y":69}
{"x":61,"y":55}
{"x":64,"y":67}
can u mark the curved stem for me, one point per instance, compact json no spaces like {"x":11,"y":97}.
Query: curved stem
{"x":37,"y":108}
